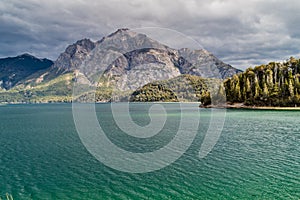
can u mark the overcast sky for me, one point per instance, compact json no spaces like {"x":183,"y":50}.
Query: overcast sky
{"x":238,"y":32}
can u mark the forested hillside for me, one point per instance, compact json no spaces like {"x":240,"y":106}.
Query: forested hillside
{"x":274,"y":84}
{"x":184,"y":88}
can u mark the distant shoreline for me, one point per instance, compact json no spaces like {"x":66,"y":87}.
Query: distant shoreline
{"x":224,"y":106}
{"x":271,"y":108}
{"x":242,"y":106}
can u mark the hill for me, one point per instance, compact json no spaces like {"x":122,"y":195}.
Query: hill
{"x":184,"y":88}
{"x":15,"y":69}
{"x":274,"y":84}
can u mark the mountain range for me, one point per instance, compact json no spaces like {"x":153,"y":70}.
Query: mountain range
{"x":125,"y":59}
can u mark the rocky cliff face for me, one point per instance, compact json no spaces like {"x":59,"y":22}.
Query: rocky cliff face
{"x":132,"y":60}
{"x":137,"y":68}
{"x":205,"y":64}
{"x":73,"y":56}
{"x":128,"y":59}
{"x":15,"y":69}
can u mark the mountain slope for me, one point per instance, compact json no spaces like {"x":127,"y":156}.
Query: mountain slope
{"x":205,"y":64}
{"x":122,"y":61}
{"x":131,"y":60}
{"x":58,"y":89}
{"x":73,"y":56}
{"x":16,"y":69}
{"x":123,"y":52}
{"x":184,"y":88}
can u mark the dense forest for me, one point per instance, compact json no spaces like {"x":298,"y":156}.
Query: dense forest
{"x":184,"y":88}
{"x":274,"y":84}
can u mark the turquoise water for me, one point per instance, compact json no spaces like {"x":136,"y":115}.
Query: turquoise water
{"x":42,"y":157}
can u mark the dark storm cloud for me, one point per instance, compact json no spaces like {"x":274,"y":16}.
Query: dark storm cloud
{"x":240,"y":33}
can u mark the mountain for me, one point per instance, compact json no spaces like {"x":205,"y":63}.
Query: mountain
{"x":205,"y":64}
{"x":15,"y":69}
{"x":274,"y":84}
{"x":122,"y":61}
{"x":135,"y":49}
{"x":73,"y":56}
{"x":131,"y":60}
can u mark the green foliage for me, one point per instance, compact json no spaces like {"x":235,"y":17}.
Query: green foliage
{"x":56,"y":90}
{"x":184,"y":88}
{"x":154,"y":92}
{"x":274,"y":84}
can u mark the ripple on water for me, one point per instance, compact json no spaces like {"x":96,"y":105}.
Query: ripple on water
{"x":256,"y":157}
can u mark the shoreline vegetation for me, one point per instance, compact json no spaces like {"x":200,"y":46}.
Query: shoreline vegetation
{"x":271,"y":85}
{"x":242,"y":106}
{"x":167,"y":77}
{"x":275,"y":86}
{"x":237,"y":106}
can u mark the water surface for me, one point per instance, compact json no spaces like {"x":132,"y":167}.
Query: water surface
{"x":42,"y":157}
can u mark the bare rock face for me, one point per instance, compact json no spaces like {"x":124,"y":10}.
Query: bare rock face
{"x":205,"y":64}
{"x":139,"y":67}
{"x":73,"y":56}
{"x":132,"y":60}
{"x":109,"y":69}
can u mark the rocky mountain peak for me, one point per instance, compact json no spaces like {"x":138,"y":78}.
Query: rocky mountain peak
{"x":125,"y":51}
{"x":120,"y":31}
{"x":26,"y":55}
{"x":81,"y":46}
{"x":126,"y":40}
{"x":84,"y":44}
{"x":73,"y":56}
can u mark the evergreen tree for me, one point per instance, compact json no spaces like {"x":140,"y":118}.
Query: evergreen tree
{"x":274,"y":84}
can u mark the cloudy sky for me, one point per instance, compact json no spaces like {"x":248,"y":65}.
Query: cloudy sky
{"x":240,"y":33}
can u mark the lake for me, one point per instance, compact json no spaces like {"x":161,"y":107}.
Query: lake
{"x":257,"y":156}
